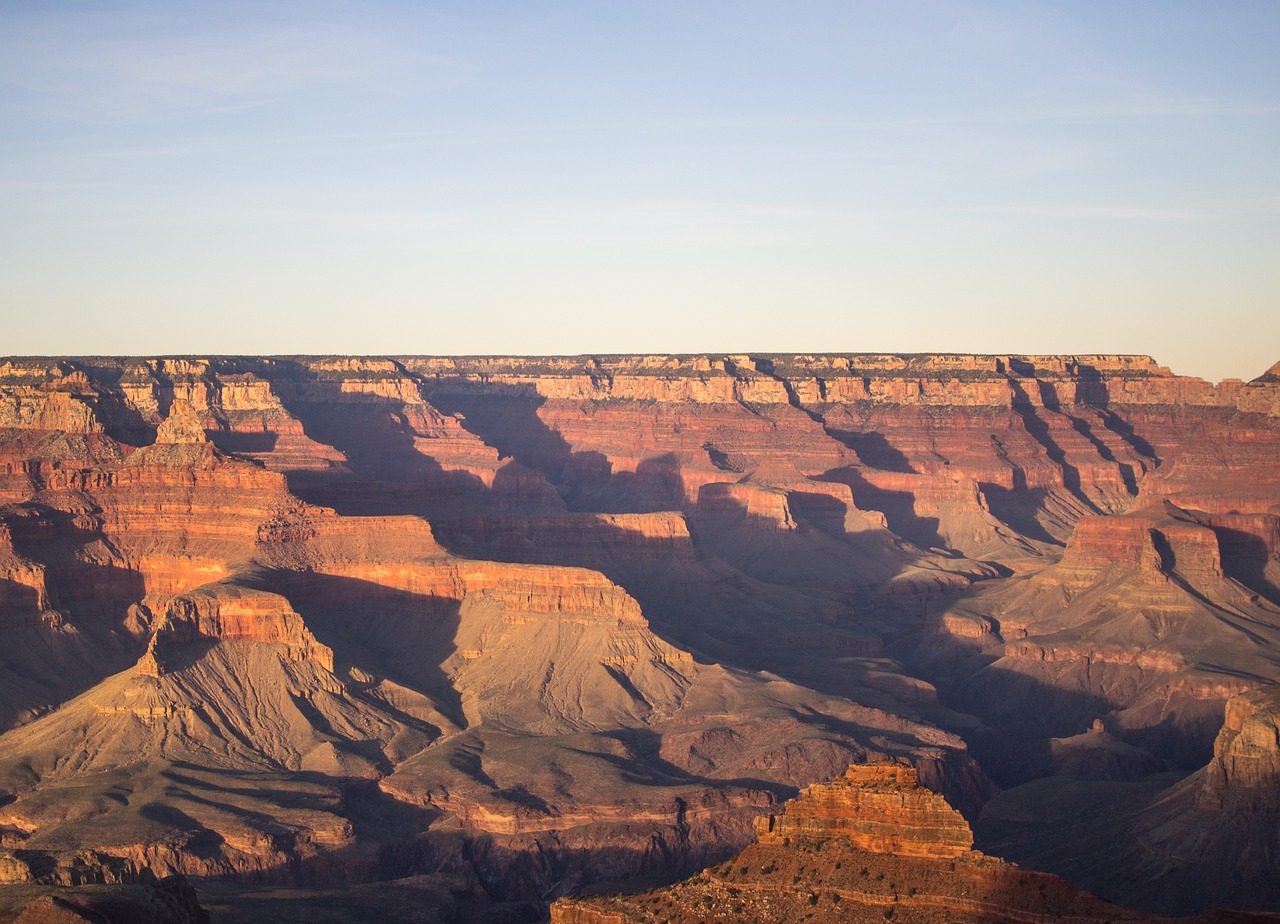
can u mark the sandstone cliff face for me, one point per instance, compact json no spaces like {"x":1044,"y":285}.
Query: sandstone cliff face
{"x":1245,"y":769}
{"x":228,"y":612}
{"x":880,"y":808}
{"x":1153,"y":541}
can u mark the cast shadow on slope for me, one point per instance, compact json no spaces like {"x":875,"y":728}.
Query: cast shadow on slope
{"x":1018,"y":507}
{"x":718,"y":597}
{"x":509,"y":422}
{"x":375,"y":817}
{"x":402,"y":636}
{"x":698,"y":601}
{"x":121,"y":420}
{"x":874,"y":450}
{"x":80,"y":637}
{"x":1246,"y":557}
{"x":645,"y":760}
{"x":1093,"y":388}
{"x":1022,"y":715}
{"x":898,"y":507}
{"x":385,"y":472}
{"x":81,"y":574}
{"x":1041,"y":433}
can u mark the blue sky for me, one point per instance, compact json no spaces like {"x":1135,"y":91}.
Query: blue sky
{"x":566,"y":177}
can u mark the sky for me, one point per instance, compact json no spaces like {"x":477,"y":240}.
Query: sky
{"x":565,"y":177}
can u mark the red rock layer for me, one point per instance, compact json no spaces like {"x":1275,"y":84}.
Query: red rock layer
{"x":1152,"y":541}
{"x":230,"y":613}
{"x":880,"y":808}
{"x":23,"y":597}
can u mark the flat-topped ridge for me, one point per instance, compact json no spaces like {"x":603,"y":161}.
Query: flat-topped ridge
{"x":735,"y":364}
{"x":132,"y":395}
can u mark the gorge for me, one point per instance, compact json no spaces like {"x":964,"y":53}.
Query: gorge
{"x":464,"y":635}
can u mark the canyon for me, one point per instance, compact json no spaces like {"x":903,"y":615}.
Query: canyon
{"x":464,"y":635}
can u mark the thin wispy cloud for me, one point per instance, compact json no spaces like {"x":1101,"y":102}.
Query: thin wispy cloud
{"x":87,"y":69}
{"x":1123,"y":213}
{"x":1102,"y":110}
{"x":938,"y":156}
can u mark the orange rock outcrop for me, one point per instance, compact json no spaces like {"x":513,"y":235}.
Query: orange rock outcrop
{"x":1246,"y":759}
{"x":880,"y":808}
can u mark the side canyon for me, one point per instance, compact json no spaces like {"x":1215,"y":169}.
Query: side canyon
{"x":454,"y":637}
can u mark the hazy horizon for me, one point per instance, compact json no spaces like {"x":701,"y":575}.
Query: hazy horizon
{"x":574,"y":178}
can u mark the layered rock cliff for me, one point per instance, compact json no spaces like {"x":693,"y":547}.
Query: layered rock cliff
{"x":880,"y":808}
{"x":1246,"y":756}
{"x":528,"y":623}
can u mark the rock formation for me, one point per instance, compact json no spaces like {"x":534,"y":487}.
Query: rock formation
{"x":881,"y":808}
{"x":1142,"y":619}
{"x":1246,"y":757}
{"x":871,"y":846}
{"x":85,"y":888}
{"x":524,"y":624}
{"x":1165,"y":844}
